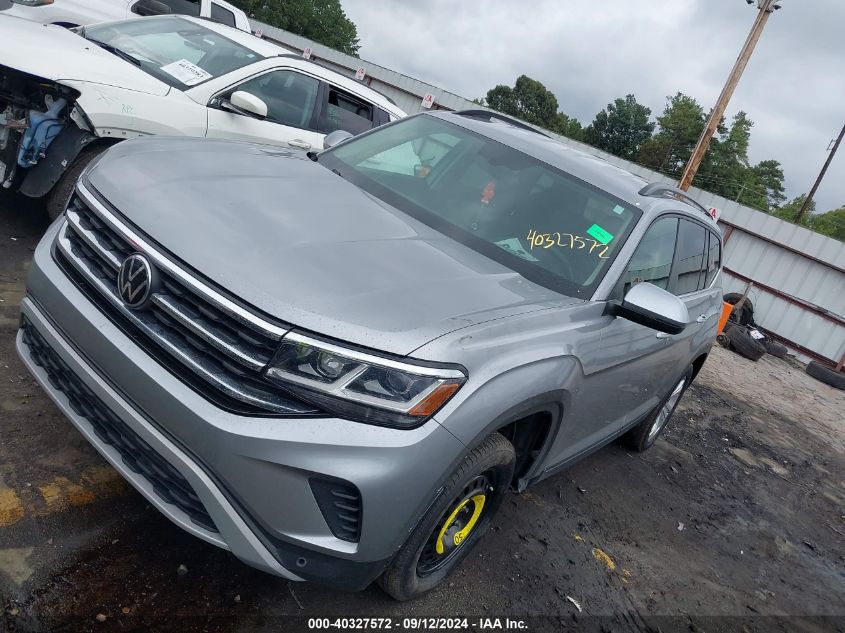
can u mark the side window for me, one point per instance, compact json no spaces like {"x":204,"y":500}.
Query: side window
{"x":689,"y":257}
{"x":290,"y":96}
{"x":714,"y":259}
{"x":224,"y":16}
{"x":342,"y":111}
{"x":160,"y":7}
{"x":652,"y":261}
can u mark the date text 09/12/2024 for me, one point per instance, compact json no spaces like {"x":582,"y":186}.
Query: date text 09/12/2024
{"x":418,"y":624}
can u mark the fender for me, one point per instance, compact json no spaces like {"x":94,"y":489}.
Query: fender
{"x":41,"y":177}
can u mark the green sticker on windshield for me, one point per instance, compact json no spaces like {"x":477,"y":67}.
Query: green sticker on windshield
{"x":600,"y":234}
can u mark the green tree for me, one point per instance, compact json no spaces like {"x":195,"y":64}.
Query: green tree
{"x":831,"y":223}
{"x":528,"y":100}
{"x":621,"y":128}
{"x":679,"y":127}
{"x":768,"y":175}
{"x":568,"y":126}
{"x":789,"y":210}
{"x":725,"y":166}
{"x":320,"y":20}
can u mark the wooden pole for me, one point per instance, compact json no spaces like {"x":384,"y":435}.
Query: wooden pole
{"x":810,"y":195}
{"x":766,"y":8}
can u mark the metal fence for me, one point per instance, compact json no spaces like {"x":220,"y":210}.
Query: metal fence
{"x":797,"y":276}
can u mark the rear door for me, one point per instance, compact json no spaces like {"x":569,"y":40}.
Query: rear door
{"x":342,"y":110}
{"x":291,"y":97}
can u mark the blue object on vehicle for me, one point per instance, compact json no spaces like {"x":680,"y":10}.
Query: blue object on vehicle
{"x":43,"y":128}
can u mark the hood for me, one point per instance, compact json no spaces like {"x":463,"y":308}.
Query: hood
{"x":55,"y":53}
{"x":297,"y":242}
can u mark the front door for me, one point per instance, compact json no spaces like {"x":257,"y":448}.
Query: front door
{"x":291,"y":99}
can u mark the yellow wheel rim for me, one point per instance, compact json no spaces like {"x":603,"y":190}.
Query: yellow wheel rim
{"x":459,"y":536}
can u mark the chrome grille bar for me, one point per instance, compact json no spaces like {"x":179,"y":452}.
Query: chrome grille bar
{"x":227,"y":306}
{"x":91,"y":240}
{"x":200,"y":327}
{"x":158,"y":333}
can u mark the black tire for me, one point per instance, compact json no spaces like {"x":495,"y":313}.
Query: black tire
{"x":641,"y":437}
{"x":826,"y":375}
{"x":406,"y":577}
{"x":743,"y":316}
{"x":59,"y":195}
{"x":774,"y":348}
{"x":744,"y":344}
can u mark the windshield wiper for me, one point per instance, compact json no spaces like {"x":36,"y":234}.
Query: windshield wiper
{"x":115,"y":50}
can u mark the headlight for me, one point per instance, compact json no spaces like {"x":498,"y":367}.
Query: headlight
{"x":32,"y":3}
{"x":361,"y":386}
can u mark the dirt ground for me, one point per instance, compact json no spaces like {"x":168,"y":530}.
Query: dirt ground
{"x":734,"y":521}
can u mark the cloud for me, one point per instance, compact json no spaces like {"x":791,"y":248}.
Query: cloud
{"x":588,"y":53}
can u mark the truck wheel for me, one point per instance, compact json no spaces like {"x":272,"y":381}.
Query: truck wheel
{"x":744,"y":344}
{"x":645,"y":434}
{"x":59,"y":195}
{"x":826,"y":375}
{"x":454,"y":523}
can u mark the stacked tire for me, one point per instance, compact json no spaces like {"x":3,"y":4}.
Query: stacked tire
{"x":739,"y":339}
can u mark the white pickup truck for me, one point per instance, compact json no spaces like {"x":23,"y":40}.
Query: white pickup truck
{"x":81,"y":12}
{"x":66,"y":96}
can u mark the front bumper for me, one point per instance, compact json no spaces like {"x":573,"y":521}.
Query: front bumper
{"x":252,"y":475}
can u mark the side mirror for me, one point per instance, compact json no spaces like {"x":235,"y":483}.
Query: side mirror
{"x":335,"y":138}
{"x":151,"y":7}
{"x":243,"y":102}
{"x":653,"y":307}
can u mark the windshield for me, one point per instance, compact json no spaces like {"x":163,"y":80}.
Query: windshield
{"x":177,"y":51}
{"x":547,"y":225}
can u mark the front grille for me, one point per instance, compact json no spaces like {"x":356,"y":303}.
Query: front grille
{"x":224,"y":347}
{"x":138,"y":456}
{"x":340,"y":504}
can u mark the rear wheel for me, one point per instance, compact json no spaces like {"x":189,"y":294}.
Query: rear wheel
{"x":645,"y":434}
{"x":455,"y":521}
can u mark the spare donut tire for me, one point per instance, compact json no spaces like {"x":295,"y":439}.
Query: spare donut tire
{"x":744,"y":344}
{"x":745,"y":314}
{"x":826,"y":375}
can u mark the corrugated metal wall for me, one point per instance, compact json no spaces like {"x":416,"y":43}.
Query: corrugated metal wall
{"x":798,"y":266}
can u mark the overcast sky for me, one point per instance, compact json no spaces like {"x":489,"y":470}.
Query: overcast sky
{"x":588,"y":53}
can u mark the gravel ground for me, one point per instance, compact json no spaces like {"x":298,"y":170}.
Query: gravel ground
{"x":735,"y":520}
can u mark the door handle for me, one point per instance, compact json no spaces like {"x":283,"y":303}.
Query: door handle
{"x":702,"y":318}
{"x":299,"y":144}
{"x":663,"y":335}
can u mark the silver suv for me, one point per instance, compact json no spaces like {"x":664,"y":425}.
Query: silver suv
{"x":335,"y":365}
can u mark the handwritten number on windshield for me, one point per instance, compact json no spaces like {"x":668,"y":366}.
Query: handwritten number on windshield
{"x":566,"y":240}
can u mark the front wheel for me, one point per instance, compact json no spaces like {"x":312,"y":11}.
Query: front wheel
{"x":645,"y":434}
{"x":454,"y":523}
{"x":59,"y":195}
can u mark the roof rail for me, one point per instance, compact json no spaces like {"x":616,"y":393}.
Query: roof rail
{"x":661,"y":190}
{"x":487,"y":114}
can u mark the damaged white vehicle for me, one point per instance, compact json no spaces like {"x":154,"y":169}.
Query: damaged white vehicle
{"x":66,"y":96}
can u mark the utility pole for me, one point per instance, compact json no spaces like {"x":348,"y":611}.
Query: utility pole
{"x":766,"y":7}
{"x":810,"y":195}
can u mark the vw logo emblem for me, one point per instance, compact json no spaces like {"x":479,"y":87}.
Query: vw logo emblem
{"x":135,"y":281}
